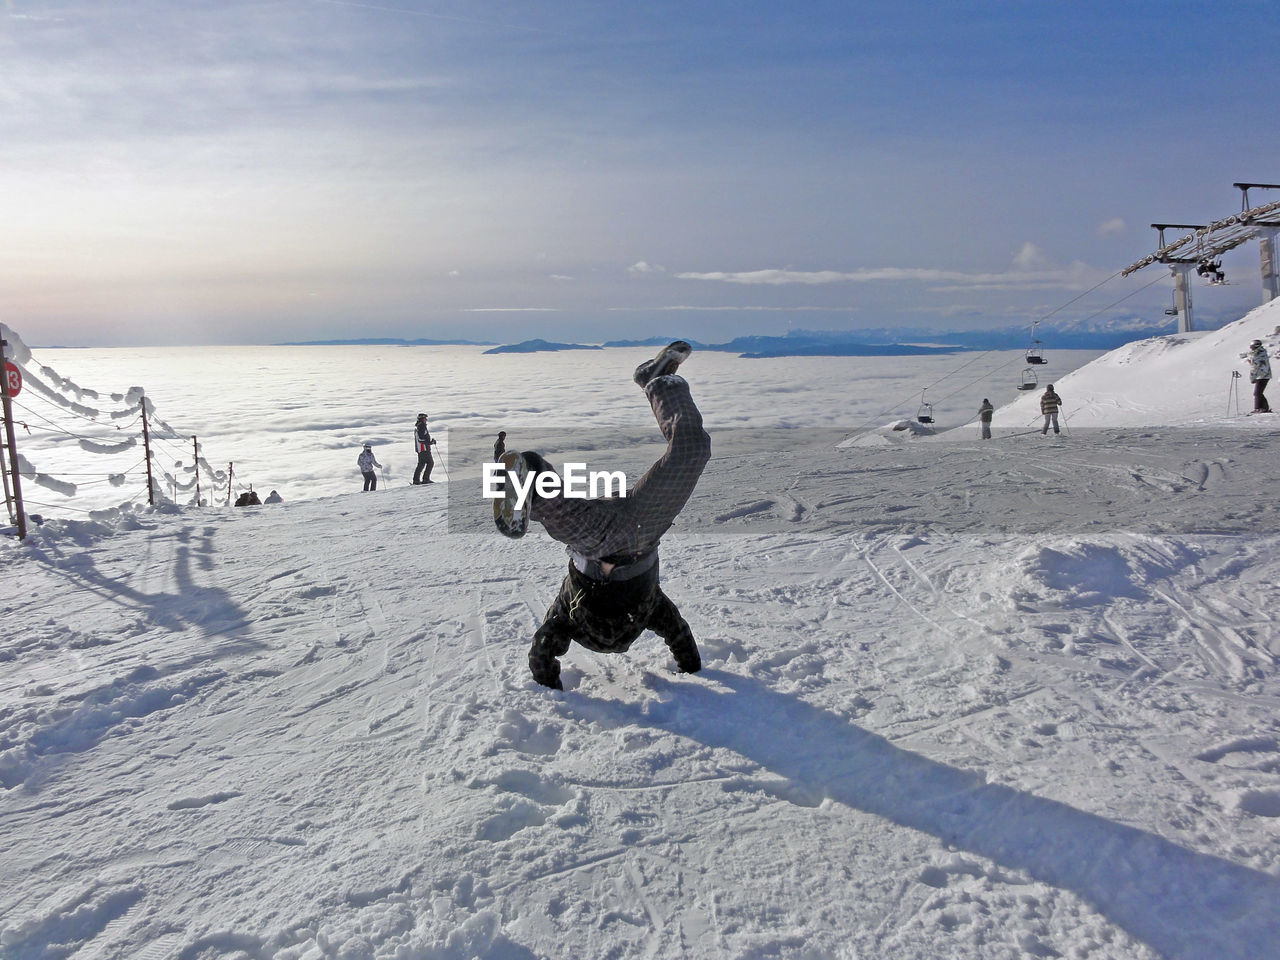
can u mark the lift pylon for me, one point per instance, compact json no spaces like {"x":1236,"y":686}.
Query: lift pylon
{"x":1182,"y":294}
{"x":1267,"y":256}
{"x":1268,"y":227}
{"x":1210,"y":241}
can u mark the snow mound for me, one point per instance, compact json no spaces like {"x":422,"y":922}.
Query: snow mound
{"x":899,"y":431}
{"x":1083,"y":572}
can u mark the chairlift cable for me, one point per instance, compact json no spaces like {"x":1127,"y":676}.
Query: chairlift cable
{"x":992,"y":374}
{"x":978,"y":356}
{"x":1079,"y":297}
{"x":1156,"y":280}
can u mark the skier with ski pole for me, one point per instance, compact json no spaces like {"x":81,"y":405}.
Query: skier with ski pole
{"x":422,"y":443}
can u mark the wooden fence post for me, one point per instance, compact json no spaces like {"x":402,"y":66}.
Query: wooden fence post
{"x":146,"y":446}
{"x":11,"y":443}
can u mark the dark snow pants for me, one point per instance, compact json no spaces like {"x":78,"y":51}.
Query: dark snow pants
{"x":425,"y":462}
{"x":631,"y":526}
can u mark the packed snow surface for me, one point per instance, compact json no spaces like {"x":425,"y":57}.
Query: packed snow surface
{"x":960,"y":698}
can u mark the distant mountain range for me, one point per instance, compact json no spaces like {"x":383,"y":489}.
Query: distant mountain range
{"x":542,"y":346}
{"x":386,"y":342}
{"x":907,"y":342}
{"x":842,"y":343}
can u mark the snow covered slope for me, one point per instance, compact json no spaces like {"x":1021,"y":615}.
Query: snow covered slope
{"x":1175,"y":379}
{"x":959,"y":700}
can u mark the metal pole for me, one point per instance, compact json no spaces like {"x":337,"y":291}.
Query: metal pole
{"x":1267,"y":253}
{"x":230,"y":473}
{"x":8,"y":497}
{"x":195,"y":447}
{"x":4,"y":469}
{"x":146,"y":446}
{"x":12,"y":443}
{"x":1182,"y":296}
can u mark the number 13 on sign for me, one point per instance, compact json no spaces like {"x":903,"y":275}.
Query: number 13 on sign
{"x":14,"y":377}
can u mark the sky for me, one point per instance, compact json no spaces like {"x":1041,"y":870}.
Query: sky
{"x":256,"y":172}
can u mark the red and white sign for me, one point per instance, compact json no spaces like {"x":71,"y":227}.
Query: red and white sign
{"x":14,"y":376}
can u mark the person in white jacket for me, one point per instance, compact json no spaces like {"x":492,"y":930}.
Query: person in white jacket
{"x":1259,"y":375}
{"x":366,"y":462}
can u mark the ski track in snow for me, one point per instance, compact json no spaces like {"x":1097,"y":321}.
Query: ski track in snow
{"x":962,"y":700}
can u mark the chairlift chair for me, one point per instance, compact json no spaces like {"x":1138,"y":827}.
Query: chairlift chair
{"x":1035,"y":353}
{"x":1029,"y":380}
{"x":925,"y":413}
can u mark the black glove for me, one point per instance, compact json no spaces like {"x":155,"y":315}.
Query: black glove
{"x":546,"y":672}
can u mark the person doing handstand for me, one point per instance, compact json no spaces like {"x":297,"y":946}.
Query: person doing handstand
{"x":611,"y":594}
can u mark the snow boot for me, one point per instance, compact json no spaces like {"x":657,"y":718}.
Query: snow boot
{"x":667,"y":361}
{"x":512,"y":521}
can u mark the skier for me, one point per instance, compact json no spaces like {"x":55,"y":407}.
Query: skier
{"x":1049,"y":404}
{"x":422,"y":442}
{"x":1259,"y":375}
{"x":500,"y":445}
{"x":1211,"y":270}
{"x":985,"y":413}
{"x":366,"y":462}
{"x":611,"y":593}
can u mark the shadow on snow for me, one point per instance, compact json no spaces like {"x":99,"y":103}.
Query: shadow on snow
{"x":1185,"y":905}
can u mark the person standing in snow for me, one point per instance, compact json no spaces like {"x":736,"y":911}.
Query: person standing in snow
{"x":422,"y":442}
{"x":985,"y":413}
{"x":500,"y":445}
{"x":611,"y":594}
{"x":1049,"y":404}
{"x":366,"y":462}
{"x":1259,"y":375}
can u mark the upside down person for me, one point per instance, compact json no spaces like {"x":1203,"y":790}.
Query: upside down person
{"x":611,"y":594}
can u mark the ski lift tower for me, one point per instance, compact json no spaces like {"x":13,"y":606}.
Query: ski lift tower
{"x":1267,"y":229}
{"x":1207,"y":244}
{"x":1181,"y":268}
